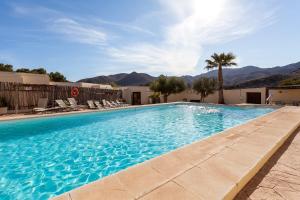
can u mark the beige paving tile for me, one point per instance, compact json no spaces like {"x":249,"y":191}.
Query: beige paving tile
{"x":260,"y":142}
{"x":141,"y":179}
{"x":280,"y":123}
{"x":225,"y":138}
{"x":196,"y":152}
{"x":169,"y":165}
{"x":278,"y":131}
{"x":109,"y":188}
{"x":246,"y":129}
{"x":170,"y":191}
{"x":209,"y":181}
{"x":242,"y":163}
{"x":257,"y":147}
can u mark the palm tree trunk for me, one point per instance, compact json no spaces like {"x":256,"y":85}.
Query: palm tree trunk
{"x":220,"y":80}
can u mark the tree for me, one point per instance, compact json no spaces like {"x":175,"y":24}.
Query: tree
{"x":290,"y":81}
{"x":38,"y":71}
{"x":219,"y":61}
{"x":204,"y":86}
{"x":23,"y":70}
{"x":6,"y":67}
{"x":57,"y":77}
{"x":167,"y":85}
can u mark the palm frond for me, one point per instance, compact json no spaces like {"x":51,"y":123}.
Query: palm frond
{"x":210,"y":64}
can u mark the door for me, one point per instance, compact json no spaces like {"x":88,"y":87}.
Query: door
{"x":254,"y":97}
{"x":136,"y":98}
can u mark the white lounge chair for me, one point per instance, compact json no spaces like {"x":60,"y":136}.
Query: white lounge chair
{"x":63,"y":105}
{"x":42,"y":106}
{"x":73,"y":103}
{"x":109,"y":104}
{"x":121,"y":103}
{"x":91,"y":104}
{"x":114,"y":104}
{"x":97,"y":103}
{"x":106,"y":104}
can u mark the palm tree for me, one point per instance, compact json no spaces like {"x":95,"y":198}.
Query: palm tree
{"x":219,"y":61}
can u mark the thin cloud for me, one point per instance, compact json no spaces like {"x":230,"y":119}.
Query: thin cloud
{"x":193,"y":24}
{"x":69,"y":28}
{"x":127,"y":27}
{"x":77,"y":32}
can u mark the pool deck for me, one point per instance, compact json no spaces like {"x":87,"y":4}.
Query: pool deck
{"x":217,"y":167}
{"x":280,"y":177}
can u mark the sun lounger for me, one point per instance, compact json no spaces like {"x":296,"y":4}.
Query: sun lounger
{"x":106,"y":104}
{"x":73,"y":103}
{"x":97,"y":103}
{"x":121,"y":103}
{"x":91,"y":104}
{"x":114,"y":104}
{"x":109,"y":104}
{"x":63,"y":105}
{"x":42,"y":106}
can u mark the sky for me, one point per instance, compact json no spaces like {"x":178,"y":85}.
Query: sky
{"x":173,"y":37}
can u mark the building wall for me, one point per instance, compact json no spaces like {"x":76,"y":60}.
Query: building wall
{"x":25,"y":78}
{"x":287,"y":96}
{"x":145,"y":93}
{"x":240,"y":95}
{"x":237,"y":96}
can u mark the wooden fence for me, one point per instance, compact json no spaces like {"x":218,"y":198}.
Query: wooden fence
{"x":26,"y":96}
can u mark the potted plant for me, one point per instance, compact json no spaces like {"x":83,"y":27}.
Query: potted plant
{"x":3,"y":106}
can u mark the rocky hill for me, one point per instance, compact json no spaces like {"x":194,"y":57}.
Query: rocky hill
{"x":249,"y":76}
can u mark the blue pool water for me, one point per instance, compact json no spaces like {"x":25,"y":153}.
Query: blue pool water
{"x":41,"y":158}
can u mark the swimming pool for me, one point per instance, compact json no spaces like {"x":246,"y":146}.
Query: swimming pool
{"x":44,"y":157}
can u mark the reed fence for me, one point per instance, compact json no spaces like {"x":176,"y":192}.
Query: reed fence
{"x":25,"y":96}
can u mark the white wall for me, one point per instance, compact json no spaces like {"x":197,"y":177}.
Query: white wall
{"x":236,"y":96}
{"x":145,"y":93}
{"x":287,"y":96}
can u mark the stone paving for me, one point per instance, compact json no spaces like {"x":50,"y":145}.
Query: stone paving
{"x":279,"y":179}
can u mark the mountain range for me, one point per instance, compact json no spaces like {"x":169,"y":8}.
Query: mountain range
{"x":249,"y":76}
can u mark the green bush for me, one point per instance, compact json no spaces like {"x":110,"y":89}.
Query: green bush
{"x":6,"y":67}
